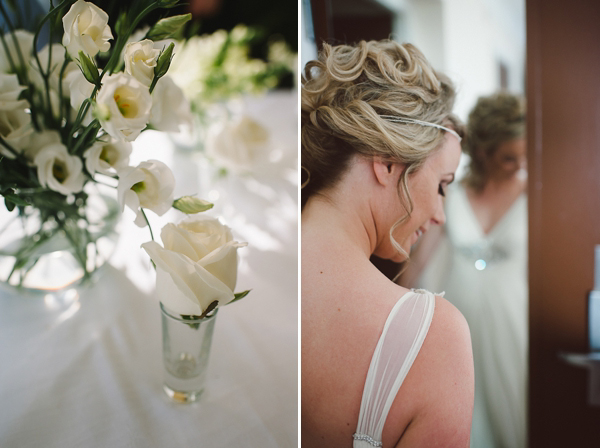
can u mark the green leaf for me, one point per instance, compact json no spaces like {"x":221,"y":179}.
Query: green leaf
{"x":122,"y":24}
{"x":240,"y":295}
{"x":167,"y":3}
{"x":168,"y":27}
{"x":17,"y":200}
{"x":89,"y":69}
{"x":10,"y":206}
{"x":191,"y":205}
{"x":210,"y":307}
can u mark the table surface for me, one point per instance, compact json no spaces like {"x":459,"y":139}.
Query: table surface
{"x":87,"y":371}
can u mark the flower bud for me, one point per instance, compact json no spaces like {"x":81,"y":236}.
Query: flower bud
{"x":164,"y":61}
{"x":89,"y":69}
{"x":168,"y":27}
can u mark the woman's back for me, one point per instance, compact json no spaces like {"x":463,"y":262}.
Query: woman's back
{"x":345,"y":304}
{"x":380,"y":145}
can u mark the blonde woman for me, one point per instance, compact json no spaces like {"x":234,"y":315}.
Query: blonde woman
{"x":381,"y":365}
{"x":480,"y":260}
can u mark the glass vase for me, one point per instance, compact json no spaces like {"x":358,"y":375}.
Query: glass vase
{"x":58,"y":244}
{"x":186,"y":349}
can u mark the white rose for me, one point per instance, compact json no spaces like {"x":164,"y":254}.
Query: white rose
{"x":240,"y":144}
{"x":58,"y":170}
{"x":25,"y":42}
{"x":196,"y":266}
{"x":140,"y":60}
{"x":86,"y":29}
{"x":149,"y":185}
{"x":107,"y":157}
{"x":15,"y":129}
{"x":40,"y":140}
{"x":170,"y":107}
{"x":9,"y":93}
{"x":123,"y":106}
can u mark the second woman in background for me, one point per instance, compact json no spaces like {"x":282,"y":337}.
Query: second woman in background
{"x":480,"y":261}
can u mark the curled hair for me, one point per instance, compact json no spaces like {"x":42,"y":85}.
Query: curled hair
{"x":345,"y":93}
{"x":495,"y":119}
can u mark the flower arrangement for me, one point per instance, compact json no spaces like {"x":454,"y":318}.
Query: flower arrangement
{"x":216,"y":67}
{"x":215,"y":71}
{"x":68,"y":114}
{"x":67,"y":121}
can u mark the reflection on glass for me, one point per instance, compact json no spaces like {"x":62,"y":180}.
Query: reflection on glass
{"x":480,"y":260}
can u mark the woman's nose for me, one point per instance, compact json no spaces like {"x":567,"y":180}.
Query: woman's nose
{"x":439,"y":216}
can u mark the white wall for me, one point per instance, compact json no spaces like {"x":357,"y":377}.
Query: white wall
{"x":467,"y":39}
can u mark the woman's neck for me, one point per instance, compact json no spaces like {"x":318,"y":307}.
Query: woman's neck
{"x":344,"y":213}
{"x":333,"y":222}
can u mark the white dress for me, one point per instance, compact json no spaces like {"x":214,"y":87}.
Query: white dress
{"x":485,"y":277}
{"x":401,"y":339}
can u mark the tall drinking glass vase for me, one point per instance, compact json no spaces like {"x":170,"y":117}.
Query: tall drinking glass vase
{"x":186,"y":348}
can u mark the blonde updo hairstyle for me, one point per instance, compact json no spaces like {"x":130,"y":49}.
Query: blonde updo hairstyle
{"x":346,"y":92}
{"x":495,"y":119}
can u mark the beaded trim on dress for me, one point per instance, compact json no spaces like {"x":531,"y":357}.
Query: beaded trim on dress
{"x":367,"y":439}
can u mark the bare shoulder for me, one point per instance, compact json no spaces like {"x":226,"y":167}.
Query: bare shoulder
{"x":439,"y":388}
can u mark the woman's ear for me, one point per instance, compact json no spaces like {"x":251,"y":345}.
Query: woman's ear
{"x":386,"y":172}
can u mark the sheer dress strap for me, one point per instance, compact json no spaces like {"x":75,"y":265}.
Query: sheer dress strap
{"x":402,"y":337}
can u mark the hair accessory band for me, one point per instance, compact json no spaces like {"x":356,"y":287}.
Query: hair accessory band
{"x":305,"y":183}
{"x":395,"y":119}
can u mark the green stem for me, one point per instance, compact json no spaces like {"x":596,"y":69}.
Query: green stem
{"x":151,"y":234}
{"x":63,"y":111}
{"x":13,"y":67}
{"x":10,"y":148}
{"x":37,"y":33}
{"x":22,"y":76}
{"x":153,"y":85}
{"x":76,"y":247}
{"x":92,"y":127}
{"x":148,"y":223}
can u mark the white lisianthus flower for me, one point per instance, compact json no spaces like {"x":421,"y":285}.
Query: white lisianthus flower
{"x":57,"y":59}
{"x":123,"y":106}
{"x":239,"y":144}
{"x":140,"y":34}
{"x":25,"y":42}
{"x":196,"y":266}
{"x":58,"y":170}
{"x":140,"y":60}
{"x":86,"y":29}
{"x":170,"y":107}
{"x":10,"y":91}
{"x":15,"y":129}
{"x":107,"y":157}
{"x":38,"y":141}
{"x":149,"y":185}
{"x":79,"y":90}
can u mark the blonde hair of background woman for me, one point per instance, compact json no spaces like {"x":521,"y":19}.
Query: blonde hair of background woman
{"x":495,"y":119}
{"x":346,"y":93}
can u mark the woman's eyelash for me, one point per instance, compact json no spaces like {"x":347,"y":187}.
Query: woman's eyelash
{"x":441,"y":190}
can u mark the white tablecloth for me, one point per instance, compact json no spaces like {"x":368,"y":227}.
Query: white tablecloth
{"x":87,"y":372}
